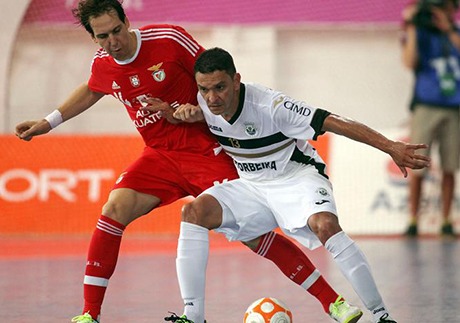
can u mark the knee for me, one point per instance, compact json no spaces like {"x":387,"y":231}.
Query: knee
{"x":187,"y":213}
{"x":201,"y":213}
{"x":110,"y":209}
{"x":126,"y":205}
{"x":192,"y":213}
{"x":115,"y":210}
{"x":324,"y":225}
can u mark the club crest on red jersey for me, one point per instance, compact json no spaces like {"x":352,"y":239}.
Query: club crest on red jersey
{"x":159,"y":76}
{"x":158,"y":73}
{"x":135,"y":80}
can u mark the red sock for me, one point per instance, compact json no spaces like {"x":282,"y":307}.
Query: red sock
{"x":102,"y":259}
{"x":296,"y":265}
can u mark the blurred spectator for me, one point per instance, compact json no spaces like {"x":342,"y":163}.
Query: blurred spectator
{"x":431,"y":48}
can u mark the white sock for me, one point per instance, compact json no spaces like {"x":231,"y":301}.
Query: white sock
{"x":191,"y":262}
{"x":356,"y":269}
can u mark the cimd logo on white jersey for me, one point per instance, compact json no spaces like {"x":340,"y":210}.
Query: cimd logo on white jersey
{"x":292,"y":106}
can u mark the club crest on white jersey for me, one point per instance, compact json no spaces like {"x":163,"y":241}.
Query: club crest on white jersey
{"x":250,"y":129}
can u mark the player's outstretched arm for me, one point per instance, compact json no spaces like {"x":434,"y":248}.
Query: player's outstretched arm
{"x":80,"y":100}
{"x":403,"y":154}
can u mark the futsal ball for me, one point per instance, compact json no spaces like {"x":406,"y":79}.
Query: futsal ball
{"x":267,"y":310}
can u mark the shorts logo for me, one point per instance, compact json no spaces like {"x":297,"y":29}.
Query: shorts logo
{"x":135,"y":81}
{"x":120,"y":178}
{"x":322,"y":191}
{"x":250,"y":129}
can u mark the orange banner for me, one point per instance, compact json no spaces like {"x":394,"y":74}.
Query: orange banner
{"x":58,"y":184}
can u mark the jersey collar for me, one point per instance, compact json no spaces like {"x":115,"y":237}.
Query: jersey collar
{"x":240,"y":104}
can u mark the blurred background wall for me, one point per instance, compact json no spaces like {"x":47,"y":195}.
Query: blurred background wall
{"x":341,"y":55}
{"x":344,"y":56}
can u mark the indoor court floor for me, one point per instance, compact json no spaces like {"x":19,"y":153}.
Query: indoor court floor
{"x":41,"y":280}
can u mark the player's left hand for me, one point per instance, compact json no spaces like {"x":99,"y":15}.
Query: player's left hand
{"x":404,"y":155}
{"x":189,"y":113}
{"x":157,"y":105}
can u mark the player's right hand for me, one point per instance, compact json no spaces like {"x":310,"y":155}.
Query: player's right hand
{"x":28,"y":129}
{"x":405,"y":156}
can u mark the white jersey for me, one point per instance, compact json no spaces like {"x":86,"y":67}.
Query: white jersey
{"x":268,"y":131}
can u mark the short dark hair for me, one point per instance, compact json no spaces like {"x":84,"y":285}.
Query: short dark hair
{"x":87,"y":9}
{"x":215,"y":59}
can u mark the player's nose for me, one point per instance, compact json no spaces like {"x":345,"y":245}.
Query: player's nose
{"x":212,"y":97}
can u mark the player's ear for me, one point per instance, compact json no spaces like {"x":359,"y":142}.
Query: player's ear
{"x":237,"y":80}
{"x":127,"y":22}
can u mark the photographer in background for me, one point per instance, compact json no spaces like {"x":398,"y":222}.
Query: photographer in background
{"x":431,"y":48}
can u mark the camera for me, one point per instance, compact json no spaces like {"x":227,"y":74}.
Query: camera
{"x":423,"y":16}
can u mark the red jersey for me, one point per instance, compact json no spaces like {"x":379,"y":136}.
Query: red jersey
{"x":161,"y":68}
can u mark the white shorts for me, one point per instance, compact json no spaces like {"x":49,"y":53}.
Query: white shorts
{"x":251,"y":209}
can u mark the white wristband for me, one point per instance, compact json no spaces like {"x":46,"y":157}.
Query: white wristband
{"x":54,"y":119}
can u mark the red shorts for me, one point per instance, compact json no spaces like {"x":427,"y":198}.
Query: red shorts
{"x":171,"y":175}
